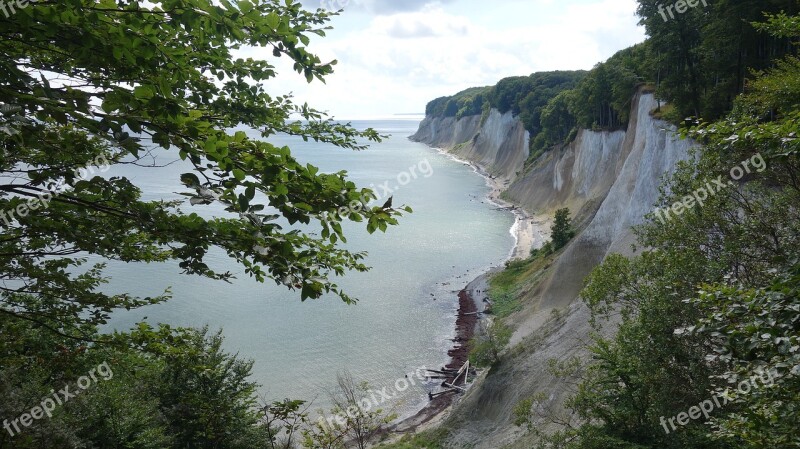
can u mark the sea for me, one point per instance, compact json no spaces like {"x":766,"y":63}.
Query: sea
{"x":404,"y":321}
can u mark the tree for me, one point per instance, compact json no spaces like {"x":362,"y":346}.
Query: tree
{"x":562,"y":231}
{"x":486,"y":347}
{"x":87,"y":85}
{"x":465,"y":103}
{"x":703,"y":56}
{"x":161,"y":389}
{"x":557,"y":122}
{"x":711,"y":298}
{"x":757,"y":332}
{"x":282,"y":420}
{"x":136,"y":77}
{"x":361,"y":424}
{"x":207,"y":397}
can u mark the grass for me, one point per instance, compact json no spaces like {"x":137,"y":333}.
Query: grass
{"x":667,"y":113}
{"x":507,"y":288}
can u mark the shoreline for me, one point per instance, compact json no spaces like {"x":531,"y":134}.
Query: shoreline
{"x":528,"y":234}
{"x":527,"y":228}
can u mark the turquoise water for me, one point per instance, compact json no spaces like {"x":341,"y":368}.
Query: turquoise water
{"x":406,"y":313}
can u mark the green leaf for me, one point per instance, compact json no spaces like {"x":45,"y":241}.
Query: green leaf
{"x":211,"y":145}
{"x":280,"y":189}
{"x":272,"y":20}
{"x":190,"y":180}
{"x":144,"y":92}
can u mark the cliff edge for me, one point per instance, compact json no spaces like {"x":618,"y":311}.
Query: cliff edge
{"x":609,"y":180}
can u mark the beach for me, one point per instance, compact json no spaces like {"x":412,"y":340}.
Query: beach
{"x":529,"y":232}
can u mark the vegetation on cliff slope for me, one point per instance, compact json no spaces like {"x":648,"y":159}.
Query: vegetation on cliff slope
{"x":708,"y":352}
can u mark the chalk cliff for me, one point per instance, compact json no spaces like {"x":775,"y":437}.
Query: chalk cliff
{"x":499,"y":145}
{"x":610,"y":180}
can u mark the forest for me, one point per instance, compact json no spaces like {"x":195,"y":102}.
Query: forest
{"x":707,"y":354}
{"x":697,"y":63}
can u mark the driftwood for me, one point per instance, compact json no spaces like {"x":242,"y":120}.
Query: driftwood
{"x":452,"y":376}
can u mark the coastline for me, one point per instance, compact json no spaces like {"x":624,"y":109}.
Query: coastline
{"x":528,"y":232}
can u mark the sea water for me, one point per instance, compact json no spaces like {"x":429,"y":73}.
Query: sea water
{"x":405,"y":316}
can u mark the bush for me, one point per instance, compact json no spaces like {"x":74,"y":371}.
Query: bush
{"x":485,"y":348}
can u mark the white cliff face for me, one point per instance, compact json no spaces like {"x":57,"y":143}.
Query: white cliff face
{"x":609,"y":180}
{"x":499,"y":146}
{"x":655,"y":151}
{"x":577,"y":176}
{"x":649,"y":151}
{"x":447,"y":132}
{"x":598,"y":155}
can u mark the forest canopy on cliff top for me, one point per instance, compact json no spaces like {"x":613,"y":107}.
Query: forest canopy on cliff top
{"x":698,"y":62}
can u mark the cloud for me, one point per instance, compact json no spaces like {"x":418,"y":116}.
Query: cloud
{"x":398,"y":62}
{"x":429,"y":23}
{"x":384,"y":7}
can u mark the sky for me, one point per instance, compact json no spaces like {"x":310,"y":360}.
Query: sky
{"x":396,"y":55}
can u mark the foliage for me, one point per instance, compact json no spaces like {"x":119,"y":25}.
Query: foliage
{"x":553,"y":105}
{"x":504,"y":288}
{"x":361,"y":424}
{"x":466,"y":103}
{"x":527,"y":96}
{"x":206,"y":393}
{"x":347,"y":423}
{"x":699,"y":61}
{"x":710,"y":299}
{"x":89,"y":85}
{"x":757,"y":329}
{"x":508,"y":287}
{"x":702,"y":57}
{"x":562,"y":231}
{"x":163,"y":88}
{"x":524,"y":96}
{"x":557,"y":121}
{"x":601,"y":100}
{"x":182,"y":390}
{"x":282,"y":420}
{"x":522,"y":412}
{"x":486,"y":347}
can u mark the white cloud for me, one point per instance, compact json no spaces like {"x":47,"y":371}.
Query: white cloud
{"x":390,"y":6}
{"x":397,"y":62}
